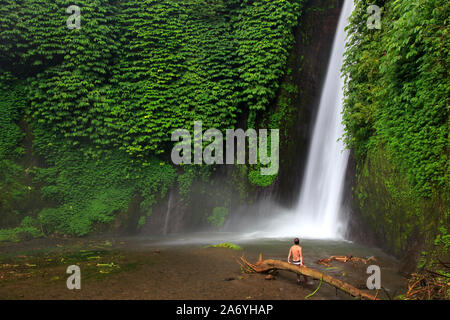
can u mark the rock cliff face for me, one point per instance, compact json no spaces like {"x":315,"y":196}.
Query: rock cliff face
{"x":309,"y":62}
{"x":382,"y":202}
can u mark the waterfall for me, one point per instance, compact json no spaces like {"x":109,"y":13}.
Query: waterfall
{"x":318,"y":212}
{"x":167,"y":219}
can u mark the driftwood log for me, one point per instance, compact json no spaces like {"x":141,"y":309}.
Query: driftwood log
{"x":327,"y":262}
{"x":268,"y":265}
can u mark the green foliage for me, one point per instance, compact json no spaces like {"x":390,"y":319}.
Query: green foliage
{"x":256,"y":178}
{"x":443,"y":238}
{"x":389,"y":204}
{"x":137,"y":70}
{"x":438,"y":251}
{"x":263,"y":32}
{"x":142,"y":221}
{"x":396,"y":120}
{"x":12,"y":190}
{"x":285,"y":112}
{"x":102,"y":101}
{"x":8,"y":235}
{"x":11,"y":108}
{"x":228,"y":245}
{"x":93,"y":191}
{"x":398,"y":87}
{"x":13,"y":187}
{"x":190,"y":174}
{"x":28,"y":229}
{"x":185,"y":180}
{"x":239,"y":179}
{"x":218,"y":216}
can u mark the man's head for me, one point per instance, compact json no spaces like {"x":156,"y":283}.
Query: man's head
{"x":296,"y":241}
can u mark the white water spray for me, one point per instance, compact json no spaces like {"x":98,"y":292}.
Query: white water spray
{"x":167,"y":219}
{"x":318,"y":211}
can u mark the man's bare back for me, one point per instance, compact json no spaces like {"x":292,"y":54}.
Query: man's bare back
{"x":296,"y":253}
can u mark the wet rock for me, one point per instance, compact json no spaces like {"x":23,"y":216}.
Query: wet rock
{"x":269,"y":277}
{"x":229,"y":279}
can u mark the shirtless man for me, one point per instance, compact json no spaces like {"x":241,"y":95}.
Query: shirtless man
{"x":297,"y":257}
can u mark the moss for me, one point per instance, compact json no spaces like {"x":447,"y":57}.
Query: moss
{"x":228,"y":245}
{"x":28,"y":229}
{"x":142,"y":221}
{"x":94,"y":191}
{"x":8,"y":235}
{"x":218,"y":216}
{"x":239,"y":177}
{"x":256,"y":178}
{"x":390,"y":206}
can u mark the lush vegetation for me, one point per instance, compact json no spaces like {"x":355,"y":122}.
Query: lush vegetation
{"x":138,"y":70}
{"x":396,"y":118}
{"x":86,"y":114}
{"x":218,"y":216}
{"x":227,"y":245}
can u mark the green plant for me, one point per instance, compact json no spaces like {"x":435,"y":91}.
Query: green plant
{"x":228,"y":245}
{"x":100,"y":103}
{"x":396,"y":120}
{"x":218,"y":216}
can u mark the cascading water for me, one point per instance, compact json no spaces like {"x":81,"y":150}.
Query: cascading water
{"x":318,"y":211}
{"x":317,"y":214}
{"x":169,"y":208}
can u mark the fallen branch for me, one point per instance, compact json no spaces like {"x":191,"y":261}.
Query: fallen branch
{"x":431,"y":285}
{"x":327,"y":262}
{"x":267,"y":265}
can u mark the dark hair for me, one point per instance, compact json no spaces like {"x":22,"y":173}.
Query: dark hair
{"x":296,"y":241}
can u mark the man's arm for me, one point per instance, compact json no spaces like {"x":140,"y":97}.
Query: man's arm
{"x":301,"y":256}
{"x":289,"y":256}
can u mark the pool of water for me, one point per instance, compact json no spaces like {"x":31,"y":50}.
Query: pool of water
{"x":392,"y":282}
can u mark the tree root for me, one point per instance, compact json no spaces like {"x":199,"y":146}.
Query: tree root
{"x":262,"y":266}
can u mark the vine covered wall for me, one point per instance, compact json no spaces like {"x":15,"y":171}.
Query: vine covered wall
{"x":396,"y":119}
{"x":87,"y":113}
